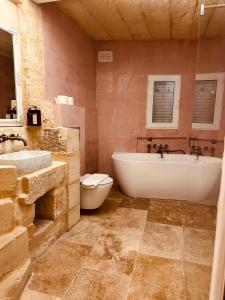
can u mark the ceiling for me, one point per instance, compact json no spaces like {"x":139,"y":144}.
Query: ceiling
{"x":145,"y":19}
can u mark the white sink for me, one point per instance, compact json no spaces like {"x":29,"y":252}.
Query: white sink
{"x":27,"y":161}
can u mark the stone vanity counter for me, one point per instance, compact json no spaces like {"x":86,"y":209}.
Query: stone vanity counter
{"x":36,"y":184}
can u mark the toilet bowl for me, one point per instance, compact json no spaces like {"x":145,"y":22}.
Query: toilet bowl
{"x":91,"y":198}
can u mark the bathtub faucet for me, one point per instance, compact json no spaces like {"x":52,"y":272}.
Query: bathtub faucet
{"x":196,"y":150}
{"x":161,"y":149}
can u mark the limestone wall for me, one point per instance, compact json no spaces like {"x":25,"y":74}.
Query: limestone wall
{"x":17,"y":208}
{"x":25,"y":18}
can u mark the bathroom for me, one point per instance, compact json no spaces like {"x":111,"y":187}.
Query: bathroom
{"x":79,"y":82}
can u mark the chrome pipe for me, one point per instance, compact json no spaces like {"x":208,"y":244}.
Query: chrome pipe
{"x":203,"y":7}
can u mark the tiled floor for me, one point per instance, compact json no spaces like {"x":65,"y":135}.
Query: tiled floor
{"x":134,"y":249}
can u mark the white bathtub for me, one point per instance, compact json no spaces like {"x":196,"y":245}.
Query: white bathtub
{"x":176,"y":176}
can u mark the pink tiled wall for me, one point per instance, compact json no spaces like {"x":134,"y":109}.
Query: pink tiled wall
{"x":70,"y":69}
{"x":121,"y":90}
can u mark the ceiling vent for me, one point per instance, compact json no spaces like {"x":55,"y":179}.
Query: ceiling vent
{"x":105,"y":56}
{"x":43,"y":1}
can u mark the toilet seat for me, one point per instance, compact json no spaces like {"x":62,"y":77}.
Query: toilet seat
{"x":108,"y":180}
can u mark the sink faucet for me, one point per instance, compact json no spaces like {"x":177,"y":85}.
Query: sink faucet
{"x":196,"y":150}
{"x":12,"y":137}
{"x":161,"y":149}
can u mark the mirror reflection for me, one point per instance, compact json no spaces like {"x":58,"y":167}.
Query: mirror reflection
{"x":7,"y":77}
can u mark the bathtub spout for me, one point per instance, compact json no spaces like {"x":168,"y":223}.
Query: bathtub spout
{"x":161,"y":149}
{"x":196,"y":150}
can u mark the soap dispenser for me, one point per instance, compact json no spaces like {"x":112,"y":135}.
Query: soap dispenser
{"x":34,"y":116}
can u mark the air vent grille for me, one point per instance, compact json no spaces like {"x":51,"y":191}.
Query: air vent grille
{"x":105,"y":56}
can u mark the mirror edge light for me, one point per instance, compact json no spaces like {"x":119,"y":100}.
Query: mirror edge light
{"x":17,"y":74}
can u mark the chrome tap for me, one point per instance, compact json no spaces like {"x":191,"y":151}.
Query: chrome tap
{"x":12,"y":137}
{"x":161,"y":148}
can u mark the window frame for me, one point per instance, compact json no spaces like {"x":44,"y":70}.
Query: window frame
{"x":219,"y":77}
{"x":150,"y":93}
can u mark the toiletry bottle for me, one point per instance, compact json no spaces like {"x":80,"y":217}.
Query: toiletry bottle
{"x":14,"y":112}
{"x":8,"y":113}
{"x":36,"y":116}
{"x":29,"y":117}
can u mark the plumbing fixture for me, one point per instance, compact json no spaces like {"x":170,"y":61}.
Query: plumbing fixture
{"x":203,"y":7}
{"x":12,"y":137}
{"x":149,"y":144}
{"x":161,"y":148}
{"x":196,"y":150}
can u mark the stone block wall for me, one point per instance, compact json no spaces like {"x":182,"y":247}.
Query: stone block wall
{"x":59,"y":203}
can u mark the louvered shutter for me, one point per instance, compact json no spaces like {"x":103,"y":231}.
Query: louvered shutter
{"x":204,"y":101}
{"x":163,"y":101}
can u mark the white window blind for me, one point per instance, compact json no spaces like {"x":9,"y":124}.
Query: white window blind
{"x":209,"y":88}
{"x":163,"y":101}
{"x":204,"y":101}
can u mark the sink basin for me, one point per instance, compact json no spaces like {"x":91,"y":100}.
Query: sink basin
{"x":27,"y":161}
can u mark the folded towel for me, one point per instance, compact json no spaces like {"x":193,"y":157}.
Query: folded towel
{"x":92,"y":180}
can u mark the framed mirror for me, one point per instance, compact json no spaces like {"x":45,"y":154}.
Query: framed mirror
{"x":10,"y":83}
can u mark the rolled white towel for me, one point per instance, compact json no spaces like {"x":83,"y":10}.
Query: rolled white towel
{"x":92,"y":180}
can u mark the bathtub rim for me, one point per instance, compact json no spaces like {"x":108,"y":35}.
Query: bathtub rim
{"x":203,"y":159}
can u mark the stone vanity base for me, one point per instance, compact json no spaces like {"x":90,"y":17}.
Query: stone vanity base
{"x":34,"y":213}
{"x":37,"y":208}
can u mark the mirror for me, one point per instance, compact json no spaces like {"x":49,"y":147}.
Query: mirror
{"x":10,"y":93}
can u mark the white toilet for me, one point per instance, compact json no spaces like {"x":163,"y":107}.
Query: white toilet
{"x":92,"y":198}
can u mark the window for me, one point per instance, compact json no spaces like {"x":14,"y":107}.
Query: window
{"x":163,"y":101}
{"x":208,"y":98}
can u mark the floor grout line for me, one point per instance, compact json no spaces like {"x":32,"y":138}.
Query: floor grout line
{"x":183,"y":259}
{"x":138,"y":252}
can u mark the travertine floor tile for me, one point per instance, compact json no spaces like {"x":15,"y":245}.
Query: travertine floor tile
{"x":33,"y":295}
{"x":197,"y":278}
{"x":165,"y":214}
{"x":116,"y":192}
{"x":85,"y":232}
{"x":115,"y":252}
{"x":114,"y":245}
{"x":103,"y":213}
{"x":128,"y":217}
{"x":198,"y":246}
{"x":93,"y":285}
{"x":53,"y":272}
{"x":162,"y":240}
{"x":198,"y":216}
{"x":165,"y":202}
{"x":137,"y":203}
{"x":157,"y":278}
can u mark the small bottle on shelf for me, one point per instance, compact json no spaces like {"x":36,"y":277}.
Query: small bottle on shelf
{"x":8,"y":113}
